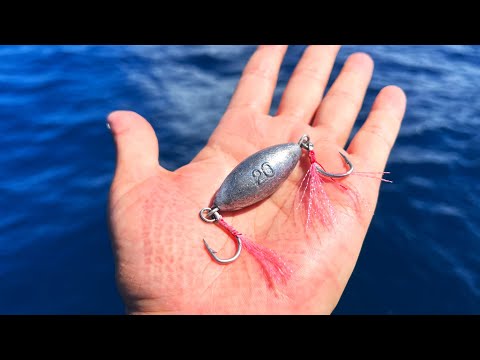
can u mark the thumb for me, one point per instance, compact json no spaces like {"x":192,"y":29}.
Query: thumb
{"x":136,"y":144}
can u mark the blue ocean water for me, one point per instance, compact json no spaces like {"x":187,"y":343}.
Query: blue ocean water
{"x":422,"y":252}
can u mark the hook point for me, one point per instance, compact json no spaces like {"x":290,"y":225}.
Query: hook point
{"x":349,"y":171}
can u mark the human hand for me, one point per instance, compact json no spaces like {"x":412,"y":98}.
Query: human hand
{"x":162,"y":264}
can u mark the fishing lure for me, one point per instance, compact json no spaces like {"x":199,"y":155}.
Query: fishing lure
{"x":253,"y":180}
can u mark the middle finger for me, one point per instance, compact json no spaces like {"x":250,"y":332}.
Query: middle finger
{"x":305,"y":88}
{"x":340,"y":107}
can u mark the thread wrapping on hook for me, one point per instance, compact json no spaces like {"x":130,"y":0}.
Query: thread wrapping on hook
{"x":275,"y":268}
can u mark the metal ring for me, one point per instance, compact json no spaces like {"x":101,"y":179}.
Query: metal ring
{"x":214,"y":212}
{"x":304,"y":139}
{"x":305,"y":142}
{"x":204,"y":218}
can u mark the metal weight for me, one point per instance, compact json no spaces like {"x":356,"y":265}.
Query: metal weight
{"x":257,"y":177}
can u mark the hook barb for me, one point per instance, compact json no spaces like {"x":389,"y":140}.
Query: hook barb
{"x":225,"y":261}
{"x":337,"y":176}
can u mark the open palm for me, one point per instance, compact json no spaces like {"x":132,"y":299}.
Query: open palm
{"x":162,"y":264}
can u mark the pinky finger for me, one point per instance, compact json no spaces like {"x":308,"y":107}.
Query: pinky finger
{"x":376,"y":137}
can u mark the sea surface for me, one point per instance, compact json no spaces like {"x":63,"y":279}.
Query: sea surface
{"x":421,"y":254}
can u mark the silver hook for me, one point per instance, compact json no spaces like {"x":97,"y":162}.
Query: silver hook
{"x":216,"y":216}
{"x":306,"y":144}
{"x":225,"y":261}
{"x":350,"y":170}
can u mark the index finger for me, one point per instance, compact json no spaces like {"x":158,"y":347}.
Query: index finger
{"x":257,"y":84}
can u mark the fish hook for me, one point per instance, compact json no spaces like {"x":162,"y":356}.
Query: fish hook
{"x":306,"y":144}
{"x":216,"y":216}
{"x":348,"y":162}
{"x":225,"y":261}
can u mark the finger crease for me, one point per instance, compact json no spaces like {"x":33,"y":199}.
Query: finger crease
{"x":343,"y":96}
{"x":311,"y":73}
{"x":261,"y":73}
{"x":247,"y":105}
{"x":293,"y":116}
{"x":379,"y":133}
